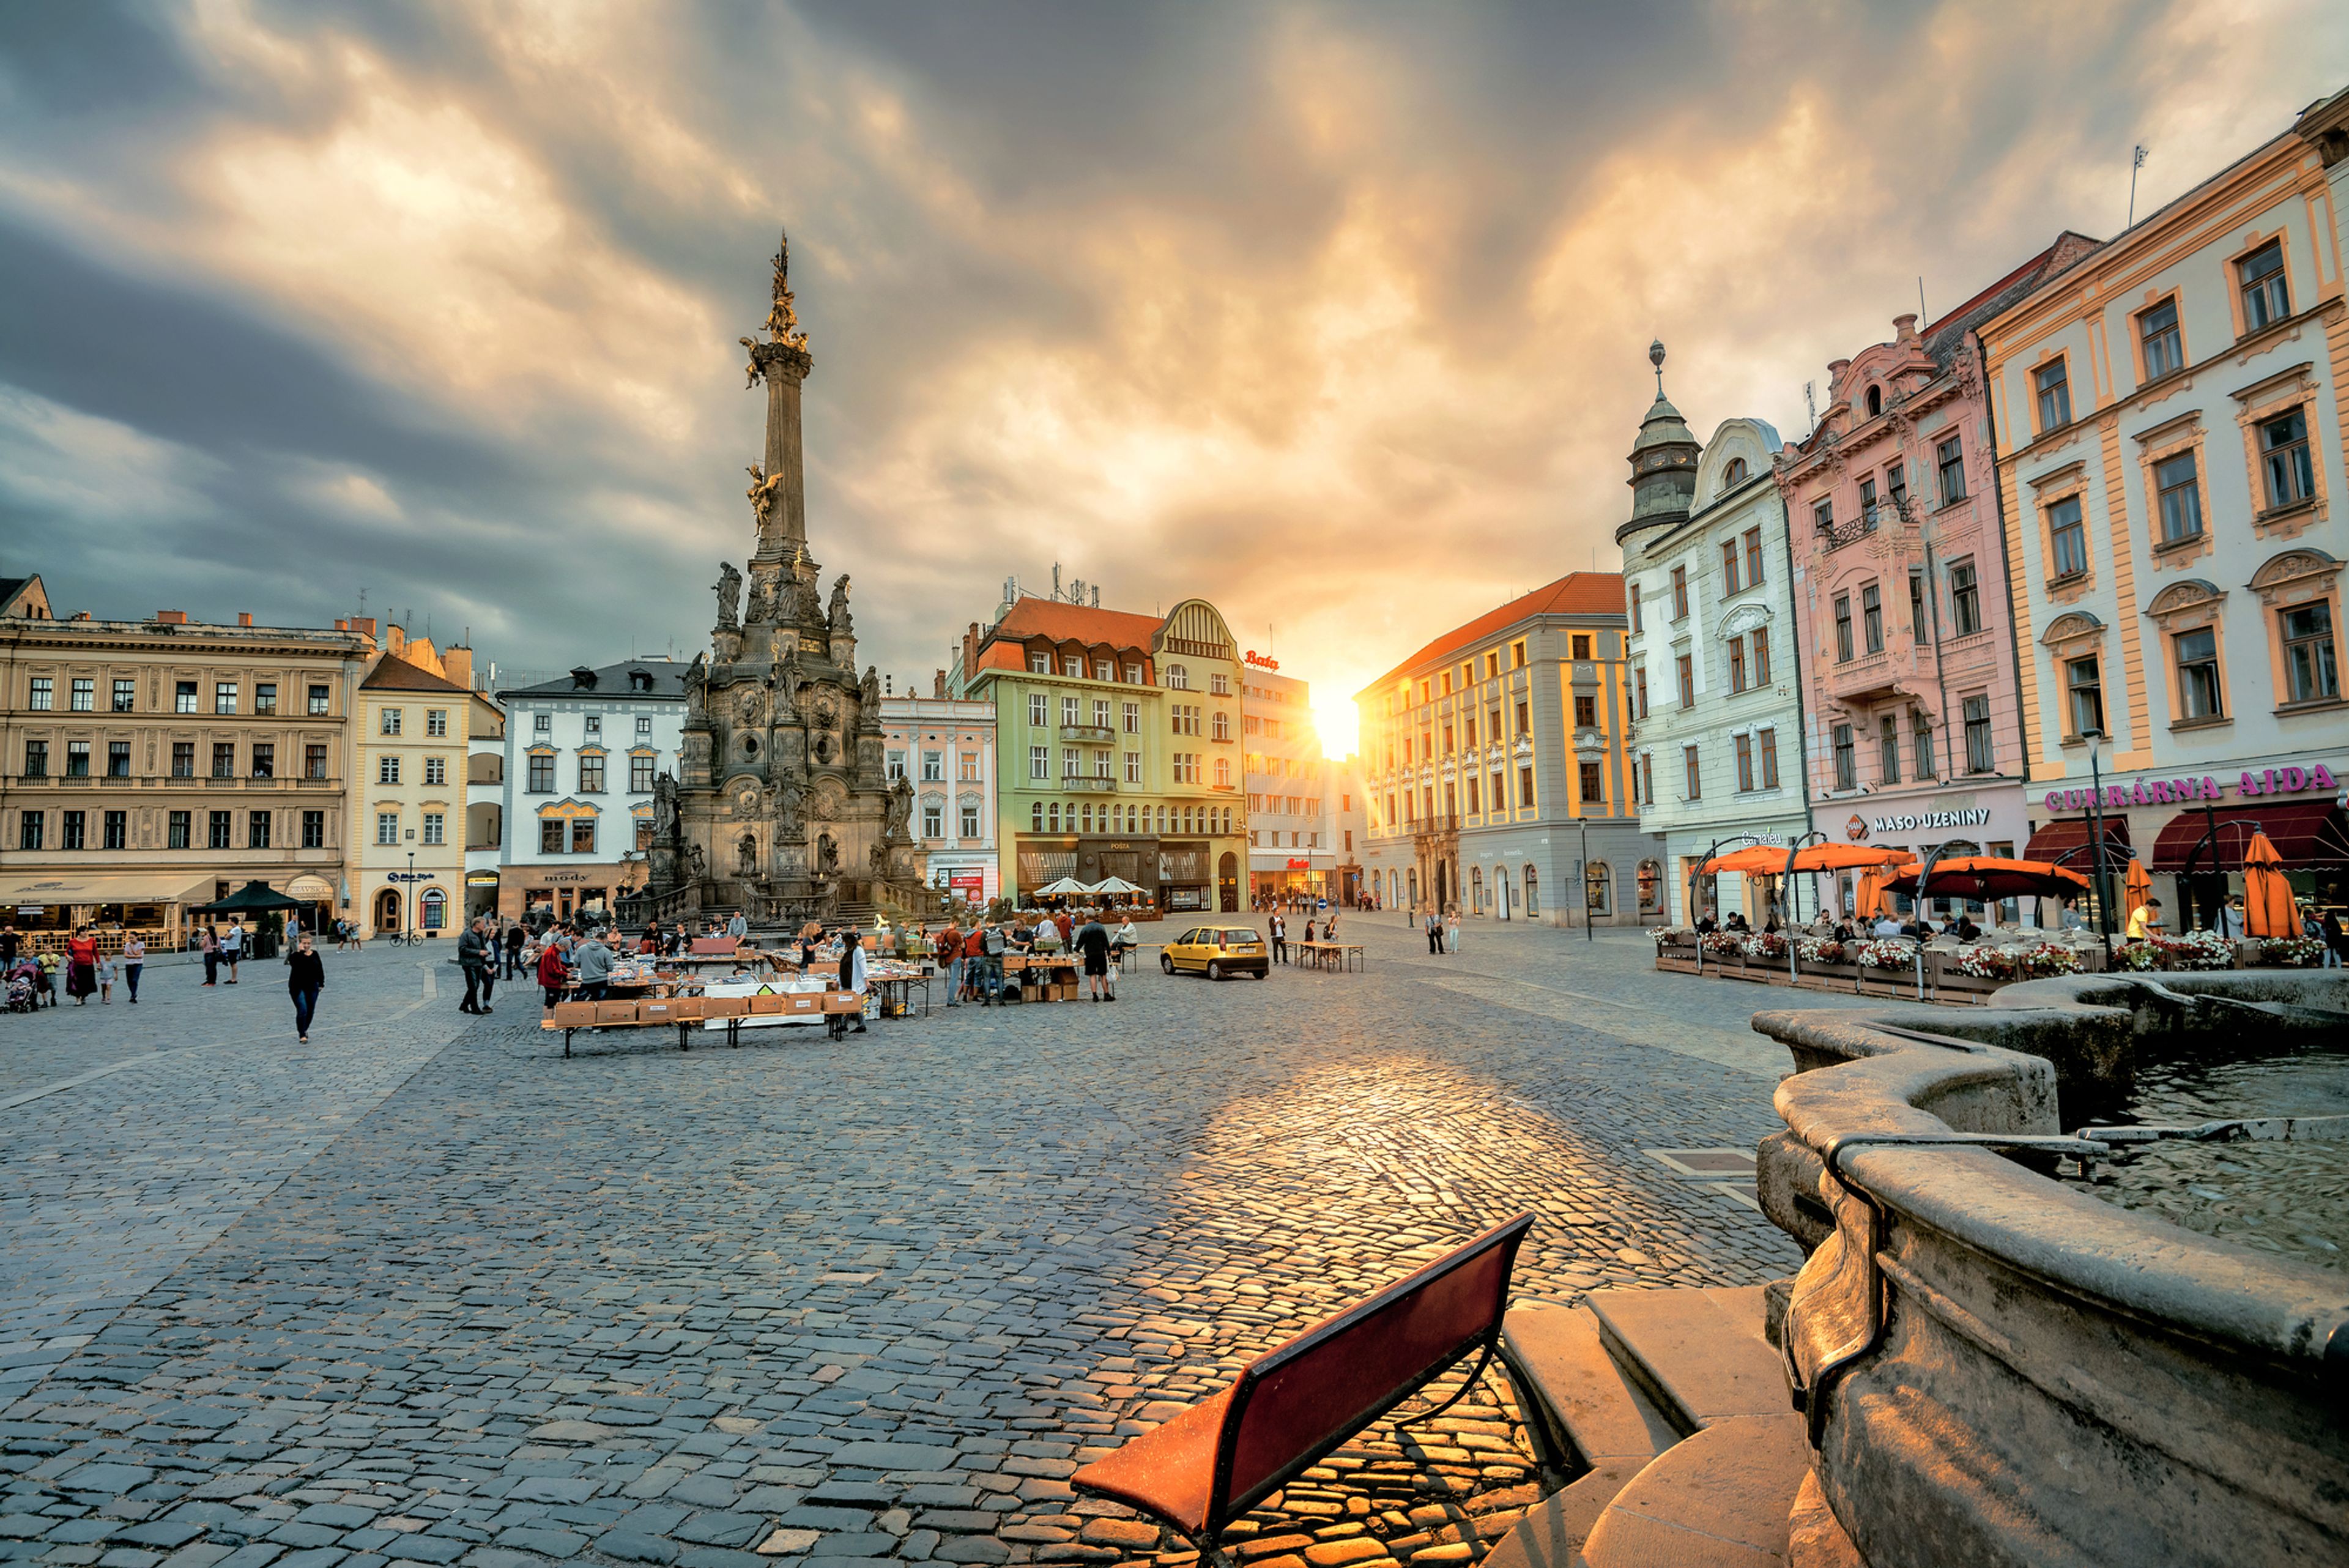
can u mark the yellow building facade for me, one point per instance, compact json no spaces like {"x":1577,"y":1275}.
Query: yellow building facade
{"x":409,"y":790}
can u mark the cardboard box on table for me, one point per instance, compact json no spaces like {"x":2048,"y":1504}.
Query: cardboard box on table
{"x":574,"y":1014}
{"x":615,"y":1012}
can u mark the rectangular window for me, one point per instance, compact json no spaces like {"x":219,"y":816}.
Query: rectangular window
{"x":1760,"y":663}
{"x":1729,"y":583}
{"x":541,"y":723}
{"x":1950,"y":460}
{"x":314,"y":830}
{"x":1069,"y":720}
{"x":1895,"y":483}
{"x":390,"y":723}
{"x":1871,"y":617}
{"x":1447,"y":741}
{"x":1100,"y":764}
{"x":1517,"y":655}
{"x":583,"y":835}
{"x":645,"y":726}
{"x":118,"y":759}
{"x":1847,"y":766}
{"x":184,"y":697}
{"x":1101,"y":714}
{"x":1639,"y":692}
{"x":550,"y":835}
{"x":77,"y":759}
{"x":1473,"y":807}
{"x":1585,"y":717}
{"x":256,"y":830}
{"x":2085,"y":688}
{"x":126,"y":696}
{"x":2156,"y":331}
{"x":2067,"y":540}
{"x":1981,"y":755}
{"x":36,"y":759}
{"x":387,"y":768}
{"x":2284,"y":461}
{"x":1039,"y":712}
{"x":114,"y":830}
{"x":1737,"y":664}
{"x":1867,"y":500}
{"x":1823,"y":516}
{"x":1693,"y":774}
{"x":1965,"y":599}
{"x":591,"y":775}
{"x":184,"y":759}
{"x":41,"y":696}
{"x":1917,"y":605}
{"x":896,"y":766}
{"x":1921,"y":738}
{"x":967,"y":766}
{"x":1074,"y":664}
{"x":265,"y":760}
{"x":640,"y":775}
{"x":1744,"y":747}
{"x":1752,"y":556}
{"x":1580,"y":643}
{"x":224,"y":760}
{"x":1594,"y":784}
{"x":1133,"y":717}
{"x":2054,"y":384}
{"x":1525,"y":786}
{"x":2198,"y":674}
{"x":321,"y":700}
{"x":1630,"y":595}
{"x":435,"y":828}
{"x":84,"y":694}
{"x":220,"y":829}
{"x":30,"y":825}
{"x":593,"y":724}
{"x":1039,"y":762}
{"x":73,"y":826}
{"x":1843,"y":628}
{"x":2312,"y":672}
{"x":1685,"y":666}
{"x":541,"y":773}
{"x":225,"y":697}
{"x":436,"y":722}
{"x":1680,"y":593}
{"x":1039,"y":664}
{"x":1134,"y":767}
{"x":180,"y":828}
{"x":969,"y":820}
{"x":2267,"y":297}
{"x":265,"y":697}
{"x":2181,"y":498}
{"x":1524,"y":726}
{"x":1888,"y":748}
{"x":1767,"y":743}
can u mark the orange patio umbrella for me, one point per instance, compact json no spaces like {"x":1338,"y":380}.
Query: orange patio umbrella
{"x":1844,"y":857}
{"x":1753,"y":860}
{"x":2137,"y":886}
{"x":2268,"y":905}
{"x":1868,"y":895}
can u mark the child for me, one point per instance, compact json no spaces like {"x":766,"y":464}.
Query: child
{"x":106,"y":978}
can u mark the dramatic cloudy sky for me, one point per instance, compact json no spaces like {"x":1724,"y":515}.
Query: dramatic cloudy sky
{"x":1336,"y":315}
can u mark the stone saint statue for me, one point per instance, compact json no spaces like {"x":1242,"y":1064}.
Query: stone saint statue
{"x":901,"y":811}
{"x":699,"y":863}
{"x":839,"y":618}
{"x":746,"y":851}
{"x":868,"y":692}
{"x":827,"y":855}
{"x":664,"y":809}
{"x":729,"y":594}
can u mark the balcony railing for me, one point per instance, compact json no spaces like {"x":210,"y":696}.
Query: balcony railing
{"x":1100,"y":733}
{"x":1084,"y":782}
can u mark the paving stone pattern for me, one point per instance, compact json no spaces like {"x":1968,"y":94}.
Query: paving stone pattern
{"x":463,"y":1301}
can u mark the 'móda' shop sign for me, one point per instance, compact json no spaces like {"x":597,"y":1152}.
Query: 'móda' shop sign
{"x":2178,"y":791}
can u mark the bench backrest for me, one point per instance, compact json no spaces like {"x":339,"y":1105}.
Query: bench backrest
{"x":1295,"y":1404}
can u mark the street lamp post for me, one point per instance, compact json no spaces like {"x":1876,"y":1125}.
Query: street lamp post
{"x":407,"y":896}
{"x":1586,"y":934}
{"x":2095,"y":739}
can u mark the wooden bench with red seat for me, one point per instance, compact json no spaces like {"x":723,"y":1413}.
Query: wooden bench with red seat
{"x":1295,"y":1405}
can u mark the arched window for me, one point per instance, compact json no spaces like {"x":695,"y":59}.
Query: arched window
{"x":1651,"y":887}
{"x":1533,"y":891}
{"x":1476,"y":888}
{"x":1053,"y":817}
{"x":1036,"y":817}
{"x":1089,"y":817}
{"x":433,"y":909}
{"x":1177,"y":678}
{"x":1735,"y":473}
{"x":1874,"y":401}
{"x":1415,"y":884}
{"x":1595,"y":879}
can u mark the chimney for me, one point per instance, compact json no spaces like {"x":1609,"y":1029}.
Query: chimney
{"x":971,"y":652}
{"x":395,"y":637}
{"x":457,"y":664}
{"x":171,"y":617}
{"x":244,"y":618}
{"x":938,"y":684}
{"x":342,"y":623}
{"x":1835,"y":368}
{"x":1904,"y":328}
{"x":1096,"y":598}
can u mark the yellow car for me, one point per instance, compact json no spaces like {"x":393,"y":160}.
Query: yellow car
{"x":1216,"y":952}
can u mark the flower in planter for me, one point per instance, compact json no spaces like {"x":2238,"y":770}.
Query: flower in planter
{"x":1885,"y":952}
{"x":1725,"y":943}
{"x":2139,"y":956}
{"x":1987,"y":963}
{"x":1768,"y":945}
{"x":2049,"y":959}
{"x":2197,"y":950}
{"x":1821,"y":949}
{"x":1674,"y":936}
{"x":2300,"y":952}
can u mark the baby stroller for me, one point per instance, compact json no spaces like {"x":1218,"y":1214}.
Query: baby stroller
{"x":22,"y":994}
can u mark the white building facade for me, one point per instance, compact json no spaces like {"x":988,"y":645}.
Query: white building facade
{"x":1714,"y":690}
{"x":945,"y":747}
{"x":1292,"y":843}
{"x":582,"y":756}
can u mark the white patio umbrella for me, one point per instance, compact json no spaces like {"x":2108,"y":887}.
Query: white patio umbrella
{"x":1113,"y":885}
{"x":1063,"y":888}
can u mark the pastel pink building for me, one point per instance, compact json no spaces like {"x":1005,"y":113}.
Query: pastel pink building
{"x":1911,"y":708}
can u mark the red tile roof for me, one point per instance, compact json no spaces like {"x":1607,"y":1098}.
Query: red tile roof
{"x":1077,"y":623}
{"x":1576,"y":592}
{"x":393,"y":673}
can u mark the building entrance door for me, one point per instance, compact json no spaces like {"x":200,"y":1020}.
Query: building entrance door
{"x":1442,"y":885}
{"x":1227,"y":883}
{"x":387,"y":910}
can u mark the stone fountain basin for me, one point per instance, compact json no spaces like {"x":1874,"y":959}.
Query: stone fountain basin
{"x":2059,"y":1380}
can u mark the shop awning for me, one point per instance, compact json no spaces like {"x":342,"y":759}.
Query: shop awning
{"x":2067,"y":842}
{"x":109,"y":888}
{"x":2308,"y":835}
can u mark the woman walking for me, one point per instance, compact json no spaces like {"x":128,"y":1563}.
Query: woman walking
{"x":81,"y":966}
{"x":305,"y":976}
{"x":134,"y":959}
{"x":211,"y":945}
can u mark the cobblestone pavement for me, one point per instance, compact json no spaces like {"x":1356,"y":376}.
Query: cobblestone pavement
{"x":425,"y":1292}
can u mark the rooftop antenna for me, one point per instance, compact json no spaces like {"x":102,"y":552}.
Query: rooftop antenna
{"x":1921,"y":314}
{"x":2137,"y":162}
{"x":1811,"y":401}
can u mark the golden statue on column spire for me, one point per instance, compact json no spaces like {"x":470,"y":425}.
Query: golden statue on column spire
{"x":782,"y":321}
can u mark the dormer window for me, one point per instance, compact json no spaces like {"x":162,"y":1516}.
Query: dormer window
{"x":1874,"y":401}
{"x":640,"y":681}
{"x":1735,"y":473}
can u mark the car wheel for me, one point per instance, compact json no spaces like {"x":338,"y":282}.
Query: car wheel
{"x":1166,"y":962}
{"x":1215,"y":969}
{"x":1260,"y":974}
